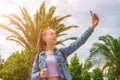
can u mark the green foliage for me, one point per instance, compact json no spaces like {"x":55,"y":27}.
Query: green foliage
{"x":1,"y":66}
{"x":111,"y":74}
{"x":1,"y":60}
{"x":86,"y":75}
{"x":16,"y":66}
{"x":88,"y":64}
{"x":75,"y":68}
{"x":97,"y":74}
{"x":110,"y":49}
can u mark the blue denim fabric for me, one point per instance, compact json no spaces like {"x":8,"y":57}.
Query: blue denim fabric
{"x":39,"y":60}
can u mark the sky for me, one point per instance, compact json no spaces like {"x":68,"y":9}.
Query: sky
{"x":107,"y":10}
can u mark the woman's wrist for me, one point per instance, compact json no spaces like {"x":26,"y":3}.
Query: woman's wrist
{"x":92,"y":27}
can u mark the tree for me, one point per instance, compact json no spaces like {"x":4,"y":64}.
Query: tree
{"x":25,"y":29}
{"x":75,"y":68}
{"x":87,"y":64}
{"x":86,"y":75}
{"x":110,"y":49}
{"x":111,"y":74}
{"x":16,"y":67}
{"x":1,"y":60}
{"x":97,"y":74}
{"x":1,"y":64}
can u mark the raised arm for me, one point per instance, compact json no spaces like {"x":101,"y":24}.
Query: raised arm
{"x":81,"y":40}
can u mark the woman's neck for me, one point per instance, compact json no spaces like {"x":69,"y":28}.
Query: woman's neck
{"x":49,"y":49}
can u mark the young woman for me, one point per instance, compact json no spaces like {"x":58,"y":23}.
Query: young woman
{"x":50,"y":63}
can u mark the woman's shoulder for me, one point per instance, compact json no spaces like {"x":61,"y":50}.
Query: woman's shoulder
{"x":40,"y":53}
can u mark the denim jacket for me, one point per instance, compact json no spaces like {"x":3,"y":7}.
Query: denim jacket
{"x":39,"y":60}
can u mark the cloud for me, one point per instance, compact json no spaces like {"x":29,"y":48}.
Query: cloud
{"x":8,"y":47}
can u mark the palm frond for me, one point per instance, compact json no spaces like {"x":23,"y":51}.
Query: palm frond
{"x":88,"y":64}
{"x":16,"y":40}
{"x":63,"y":40}
{"x":49,"y":15}
{"x":109,"y":49}
{"x":28,"y":23}
{"x":19,"y":39}
{"x":59,"y":35}
{"x":63,"y":28}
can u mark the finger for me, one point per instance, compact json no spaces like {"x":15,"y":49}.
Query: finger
{"x":45,"y":74}
{"x":93,"y":17}
{"x":96,"y":16}
{"x":42,"y":74}
{"x":45,"y":70}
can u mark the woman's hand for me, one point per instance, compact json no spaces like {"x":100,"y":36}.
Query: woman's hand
{"x":95,"y":19}
{"x":44,"y":73}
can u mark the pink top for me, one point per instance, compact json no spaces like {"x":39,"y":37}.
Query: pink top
{"x":52,"y":66}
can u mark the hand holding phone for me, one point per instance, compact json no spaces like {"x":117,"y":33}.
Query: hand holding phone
{"x":95,"y":19}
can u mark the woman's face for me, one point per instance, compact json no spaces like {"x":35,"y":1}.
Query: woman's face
{"x":50,"y":37}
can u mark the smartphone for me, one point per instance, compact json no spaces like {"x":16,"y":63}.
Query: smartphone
{"x":91,"y":13}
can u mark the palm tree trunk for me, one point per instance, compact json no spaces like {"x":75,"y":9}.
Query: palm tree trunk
{"x":117,"y":75}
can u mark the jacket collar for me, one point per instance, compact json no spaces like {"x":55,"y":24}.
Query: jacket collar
{"x":43,"y":52}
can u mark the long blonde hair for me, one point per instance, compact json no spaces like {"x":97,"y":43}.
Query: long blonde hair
{"x":41,"y":44}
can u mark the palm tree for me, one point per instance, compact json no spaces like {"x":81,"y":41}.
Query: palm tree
{"x":25,"y":29}
{"x":110,"y":49}
{"x":1,"y":60}
{"x":87,"y":65}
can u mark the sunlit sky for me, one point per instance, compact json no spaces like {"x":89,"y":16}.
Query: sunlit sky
{"x":107,"y":10}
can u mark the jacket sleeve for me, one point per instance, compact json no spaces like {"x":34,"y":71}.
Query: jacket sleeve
{"x":76,"y":44}
{"x":35,"y":69}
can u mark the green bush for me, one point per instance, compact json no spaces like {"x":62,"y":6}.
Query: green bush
{"x":86,"y":75}
{"x":16,"y":66}
{"x":111,"y":74}
{"x":75,"y":68}
{"x":97,"y":74}
{"x":0,"y":70}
